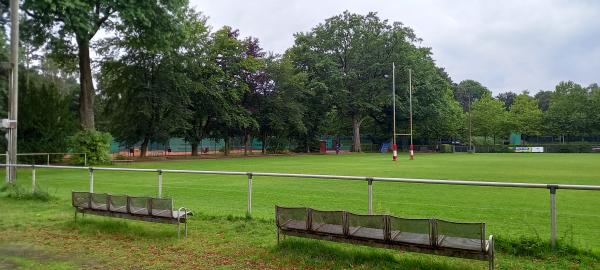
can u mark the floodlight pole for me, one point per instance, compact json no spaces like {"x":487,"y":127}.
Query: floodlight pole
{"x":394,"y":145}
{"x":411,"y":147}
{"x":13,"y":92}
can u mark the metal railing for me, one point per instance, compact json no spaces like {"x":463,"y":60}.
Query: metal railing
{"x":250,"y":175}
{"x":52,"y":154}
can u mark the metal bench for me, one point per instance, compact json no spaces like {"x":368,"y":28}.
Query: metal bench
{"x":148,"y":209}
{"x":432,"y":236}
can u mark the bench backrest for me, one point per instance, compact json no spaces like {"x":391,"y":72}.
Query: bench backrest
{"x":475,"y":231}
{"x":283,"y":215}
{"x":80,"y":199}
{"x":161,"y":207}
{"x":384,"y":227}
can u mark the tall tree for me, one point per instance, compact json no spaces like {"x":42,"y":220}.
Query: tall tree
{"x":68,"y":27}
{"x":543,"y":99}
{"x":348,"y":56}
{"x":525,"y":116}
{"x":489,"y":118}
{"x":469,"y":91}
{"x":144,"y":83}
{"x":508,"y":98}
{"x":569,"y":110}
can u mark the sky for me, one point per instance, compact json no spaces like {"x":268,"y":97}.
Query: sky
{"x":507,"y":45}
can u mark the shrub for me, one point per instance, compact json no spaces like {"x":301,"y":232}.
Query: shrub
{"x":95,"y":144}
{"x":20,"y":193}
{"x":446,"y":148}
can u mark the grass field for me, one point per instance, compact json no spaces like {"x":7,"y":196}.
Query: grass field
{"x":220,"y":236}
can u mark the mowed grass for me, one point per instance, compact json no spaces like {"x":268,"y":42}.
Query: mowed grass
{"x":511,"y":214}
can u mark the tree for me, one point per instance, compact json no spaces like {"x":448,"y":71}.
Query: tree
{"x":526,"y":117}
{"x":594,"y":112}
{"x":68,"y":27}
{"x":233,"y":63}
{"x":45,"y":122}
{"x":280,"y":115}
{"x":349,"y":55}
{"x":146,"y":87}
{"x":543,"y":99}
{"x":469,"y":91}
{"x":569,"y":110}
{"x":508,"y":98}
{"x":489,"y":118}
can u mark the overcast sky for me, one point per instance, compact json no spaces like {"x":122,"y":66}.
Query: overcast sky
{"x":507,"y":45}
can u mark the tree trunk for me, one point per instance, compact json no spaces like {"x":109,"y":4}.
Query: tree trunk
{"x":86,"y":93}
{"x":226,"y":147}
{"x":247,"y":139}
{"x":264,"y":144}
{"x":356,"y":121}
{"x":194,"y":148}
{"x":144,"y":147}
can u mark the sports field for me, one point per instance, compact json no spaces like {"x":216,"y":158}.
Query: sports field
{"x":220,"y":236}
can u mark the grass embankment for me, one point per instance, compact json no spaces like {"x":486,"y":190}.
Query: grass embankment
{"x":221,"y":237}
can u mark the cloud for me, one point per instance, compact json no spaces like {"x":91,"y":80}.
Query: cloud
{"x":506,"y":45}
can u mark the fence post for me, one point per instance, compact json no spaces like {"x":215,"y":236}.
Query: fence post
{"x":160,"y":180}
{"x":370,"y":181}
{"x":7,"y":168}
{"x":553,"y":214}
{"x":91,"y":180}
{"x":48,"y":160}
{"x":32,"y":178}
{"x":249,"y":211}
{"x":85,"y":159}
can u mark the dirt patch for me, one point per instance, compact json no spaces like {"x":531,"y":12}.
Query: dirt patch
{"x":39,"y":255}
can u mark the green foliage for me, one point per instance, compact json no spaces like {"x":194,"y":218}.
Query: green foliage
{"x":569,"y":112}
{"x":20,"y":193}
{"x":45,"y":118}
{"x":535,"y":247}
{"x":346,"y":60}
{"x":525,"y":116}
{"x":446,"y":148}
{"x":489,"y":118}
{"x":469,"y":91}
{"x":95,"y":144}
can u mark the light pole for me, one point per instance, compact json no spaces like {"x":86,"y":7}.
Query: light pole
{"x":11,"y":122}
{"x":394,"y":145}
{"x":411,"y":147}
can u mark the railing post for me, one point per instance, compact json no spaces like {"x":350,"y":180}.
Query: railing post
{"x":85,"y":159}
{"x":32,"y":178}
{"x":91,"y":180}
{"x":160,"y":180}
{"x":370,"y":181}
{"x":48,"y":159}
{"x":553,"y":214}
{"x":7,"y":168}
{"x":249,"y":210}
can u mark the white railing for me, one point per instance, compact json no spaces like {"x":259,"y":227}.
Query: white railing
{"x":250,"y":175}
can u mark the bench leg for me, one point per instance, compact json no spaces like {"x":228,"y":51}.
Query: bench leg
{"x":178,"y":230}
{"x":185,"y":228}
{"x":492,"y":255}
{"x":75,"y":215}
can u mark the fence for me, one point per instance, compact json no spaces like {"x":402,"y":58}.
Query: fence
{"x":250,"y":175}
{"x":47,"y":155}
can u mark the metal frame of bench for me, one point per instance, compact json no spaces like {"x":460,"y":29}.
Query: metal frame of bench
{"x":486,"y":253}
{"x":84,"y":204}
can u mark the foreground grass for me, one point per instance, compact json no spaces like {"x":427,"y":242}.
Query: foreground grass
{"x":221,"y":238}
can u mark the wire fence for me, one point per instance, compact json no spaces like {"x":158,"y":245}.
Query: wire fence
{"x":552,"y":188}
